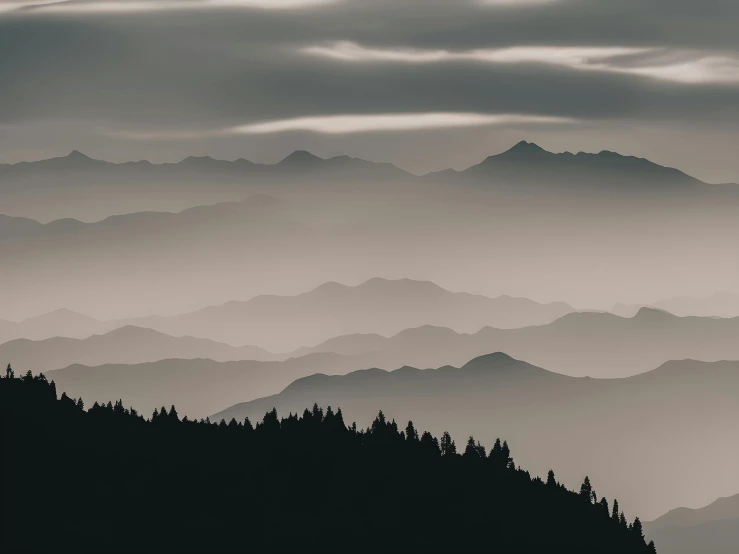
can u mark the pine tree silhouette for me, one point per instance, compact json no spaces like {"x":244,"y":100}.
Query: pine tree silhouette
{"x":297,"y":484}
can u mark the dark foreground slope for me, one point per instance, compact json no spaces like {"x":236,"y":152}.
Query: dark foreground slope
{"x":109,"y":480}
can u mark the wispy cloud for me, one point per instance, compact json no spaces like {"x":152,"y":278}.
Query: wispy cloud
{"x":340,"y":124}
{"x":125,"y":6}
{"x":690,"y":67}
{"x":356,"y":123}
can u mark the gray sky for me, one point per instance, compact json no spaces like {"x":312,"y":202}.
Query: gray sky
{"x":425,"y":84}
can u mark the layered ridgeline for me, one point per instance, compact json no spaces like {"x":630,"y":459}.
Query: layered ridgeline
{"x":384,"y":306}
{"x":125,"y":345}
{"x":199,"y":387}
{"x":78,"y":180}
{"x":713,"y":529}
{"x":595,"y":344}
{"x":629,"y":435}
{"x":613,"y":222}
{"x":141,"y":185}
{"x":281,"y":323}
{"x":296,"y":484}
{"x":579,"y":344}
{"x":145,"y":367}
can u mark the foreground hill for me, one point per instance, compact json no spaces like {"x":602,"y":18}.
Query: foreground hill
{"x":197,"y":387}
{"x":579,"y":344}
{"x":307,"y":484}
{"x":126,"y":345}
{"x":375,"y":306}
{"x":713,"y":529}
{"x":630,"y":433}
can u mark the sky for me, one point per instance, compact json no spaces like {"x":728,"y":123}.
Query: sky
{"x":424,"y":84}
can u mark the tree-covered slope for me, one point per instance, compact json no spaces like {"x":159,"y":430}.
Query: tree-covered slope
{"x":109,"y":480}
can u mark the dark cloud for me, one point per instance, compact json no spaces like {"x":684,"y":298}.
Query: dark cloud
{"x":213,"y":68}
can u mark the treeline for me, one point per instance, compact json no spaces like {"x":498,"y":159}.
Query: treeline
{"x":110,"y":480}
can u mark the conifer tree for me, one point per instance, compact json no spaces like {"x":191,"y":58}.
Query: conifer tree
{"x":614,"y":513}
{"x":637,"y":528}
{"x":551,"y":481}
{"x":410,"y":432}
{"x":470,"y":450}
{"x":448,"y":448}
{"x":586,"y":489}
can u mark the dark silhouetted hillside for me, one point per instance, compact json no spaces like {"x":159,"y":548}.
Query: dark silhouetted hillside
{"x":122,"y":483}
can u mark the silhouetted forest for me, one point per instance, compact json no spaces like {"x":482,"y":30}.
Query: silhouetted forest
{"x":107,"y":479}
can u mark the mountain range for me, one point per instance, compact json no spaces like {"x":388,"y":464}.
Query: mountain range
{"x":72,"y":176}
{"x":374,"y":306}
{"x":124,"y":345}
{"x":545,"y":237}
{"x":528,"y":163}
{"x":286,"y":322}
{"x":578,"y":344}
{"x":631,"y":435}
{"x":713,"y":529}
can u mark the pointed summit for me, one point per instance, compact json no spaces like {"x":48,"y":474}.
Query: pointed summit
{"x":524,"y":147}
{"x":301,"y":158}
{"x":77,"y":155}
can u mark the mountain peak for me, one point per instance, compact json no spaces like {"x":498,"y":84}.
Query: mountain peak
{"x":301,"y":157}
{"x":524,"y":147}
{"x":490,"y":361}
{"x":77,"y":155}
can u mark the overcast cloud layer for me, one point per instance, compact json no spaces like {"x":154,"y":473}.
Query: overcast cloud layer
{"x":453,"y":80}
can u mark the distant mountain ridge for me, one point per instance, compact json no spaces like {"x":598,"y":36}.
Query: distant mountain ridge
{"x":521,"y":153}
{"x":598,"y":344}
{"x":713,"y":529}
{"x":374,"y":306}
{"x":298,"y":160}
{"x":124,"y":345}
{"x":528,"y":162}
{"x":331,"y":309}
